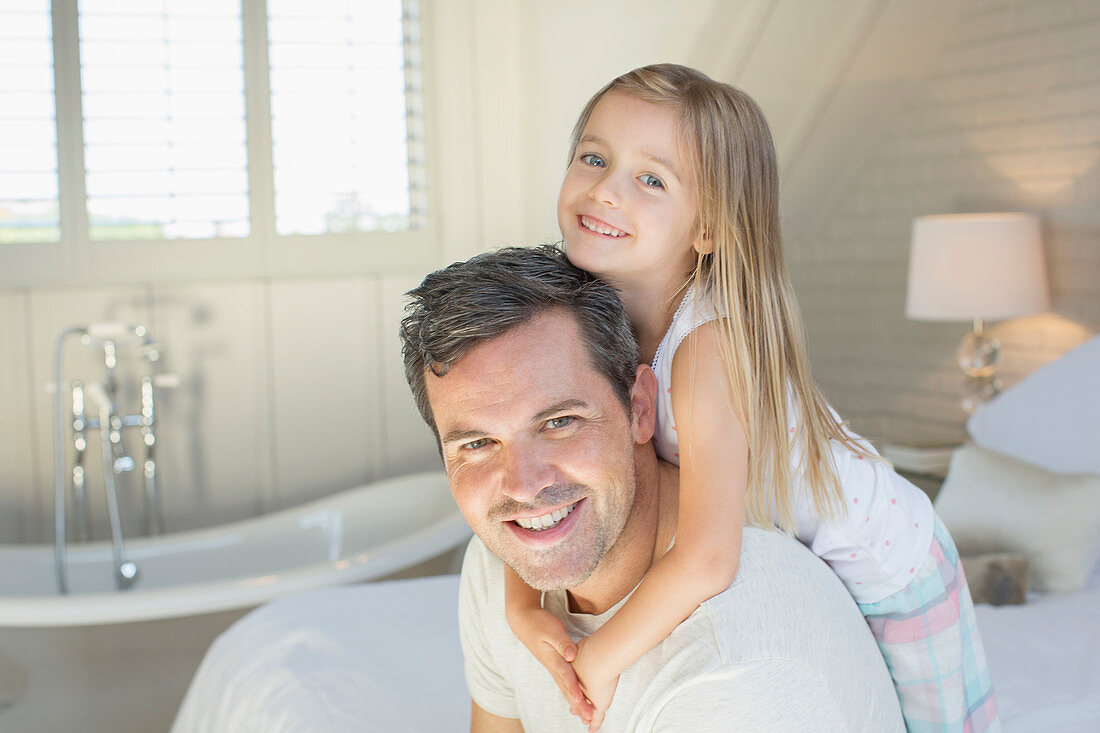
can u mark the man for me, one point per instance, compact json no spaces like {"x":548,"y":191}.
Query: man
{"x":526,"y":369}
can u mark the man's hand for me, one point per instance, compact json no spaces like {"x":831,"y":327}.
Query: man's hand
{"x":598,"y":685}
{"x":545,"y":637}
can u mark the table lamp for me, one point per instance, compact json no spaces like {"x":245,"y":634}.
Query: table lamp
{"x":976,"y":267}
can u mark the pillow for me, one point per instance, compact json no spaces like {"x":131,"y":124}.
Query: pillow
{"x":993,"y":503}
{"x":1051,"y":418}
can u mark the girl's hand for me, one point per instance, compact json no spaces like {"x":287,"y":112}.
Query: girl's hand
{"x":598,"y":686}
{"x":544,"y":636}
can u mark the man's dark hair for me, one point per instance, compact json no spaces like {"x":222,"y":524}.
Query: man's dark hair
{"x":471,"y":302}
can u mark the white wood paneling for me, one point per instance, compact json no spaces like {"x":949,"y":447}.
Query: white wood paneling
{"x":326,"y":405}
{"x":52,"y":311}
{"x":499,"y":73}
{"x":450,"y":117}
{"x":409,"y":444}
{"x":214,"y":430}
{"x":19,"y":499}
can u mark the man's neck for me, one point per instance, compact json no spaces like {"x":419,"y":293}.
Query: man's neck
{"x":648,"y":533}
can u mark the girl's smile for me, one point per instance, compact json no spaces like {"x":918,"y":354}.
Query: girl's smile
{"x":593,"y":224}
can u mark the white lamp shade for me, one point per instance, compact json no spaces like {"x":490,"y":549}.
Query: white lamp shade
{"x":967,"y":266}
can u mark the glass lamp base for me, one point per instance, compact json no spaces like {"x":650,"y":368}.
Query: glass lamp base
{"x":979,"y":355}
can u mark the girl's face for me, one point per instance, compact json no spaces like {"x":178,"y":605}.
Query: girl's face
{"x":628,"y":205}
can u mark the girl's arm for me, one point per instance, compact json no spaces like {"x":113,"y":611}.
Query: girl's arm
{"x":705,"y":556}
{"x":544,"y":636}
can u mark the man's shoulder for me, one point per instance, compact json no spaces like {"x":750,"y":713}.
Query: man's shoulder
{"x":768,"y":553}
{"x":775,"y":567}
{"x":782,"y":600}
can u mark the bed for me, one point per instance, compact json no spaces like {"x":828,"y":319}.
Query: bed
{"x":385,"y":656}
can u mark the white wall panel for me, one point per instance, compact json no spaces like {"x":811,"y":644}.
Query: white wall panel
{"x":409,"y":444}
{"x":19,"y":500}
{"x":215,"y":428}
{"x":51,"y":311}
{"x":325,"y":396}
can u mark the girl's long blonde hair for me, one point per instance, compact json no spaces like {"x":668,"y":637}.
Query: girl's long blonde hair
{"x":764,"y":345}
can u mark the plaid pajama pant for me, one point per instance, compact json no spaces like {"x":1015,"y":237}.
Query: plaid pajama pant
{"x":929,"y":636}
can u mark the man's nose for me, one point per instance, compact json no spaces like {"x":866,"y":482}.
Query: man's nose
{"x":525,"y":471}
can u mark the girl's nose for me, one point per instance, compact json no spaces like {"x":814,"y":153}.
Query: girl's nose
{"x":604,"y":191}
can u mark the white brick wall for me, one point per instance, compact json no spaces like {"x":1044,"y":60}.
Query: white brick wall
{"x":1008,"y":119}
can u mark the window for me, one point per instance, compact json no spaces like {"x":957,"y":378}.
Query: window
{"x":340,"y":122}
{"x":209,"y":120}
{"x":163,"y":117}
{"x":28,"y":134}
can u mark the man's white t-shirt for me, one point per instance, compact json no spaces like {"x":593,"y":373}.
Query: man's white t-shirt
{"x":783,"y":649}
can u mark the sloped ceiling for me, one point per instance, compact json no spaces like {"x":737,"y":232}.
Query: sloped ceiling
{"x":827,"y":75}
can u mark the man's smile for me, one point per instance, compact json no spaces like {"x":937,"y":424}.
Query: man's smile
{"x":547,"y":520}
{"x":546,"y":529}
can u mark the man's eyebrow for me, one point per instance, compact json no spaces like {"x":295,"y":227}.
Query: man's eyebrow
{"x":457,"y":436}
{"x":663,"y":162}
{"x":560,"y":407}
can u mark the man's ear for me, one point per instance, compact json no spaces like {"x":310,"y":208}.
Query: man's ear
{"x":643,"y":399}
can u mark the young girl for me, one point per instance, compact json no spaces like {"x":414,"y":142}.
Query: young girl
{"x":672,"y":195}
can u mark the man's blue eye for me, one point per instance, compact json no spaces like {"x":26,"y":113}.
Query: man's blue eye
{"x":475,"y":444}
{"x":558,"y":422}
{"x":651,"y":180}
{"x":593,"y":160}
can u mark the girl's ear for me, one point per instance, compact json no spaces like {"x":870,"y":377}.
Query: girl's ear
{"x":704,"y":245}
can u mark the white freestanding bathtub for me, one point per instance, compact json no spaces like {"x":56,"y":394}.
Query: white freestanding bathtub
{"x":360,"y":534}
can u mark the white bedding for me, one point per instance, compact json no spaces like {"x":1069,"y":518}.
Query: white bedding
{"x":1044,"y":656}
{"x":373,"y":657}
{"x":385,"y":657}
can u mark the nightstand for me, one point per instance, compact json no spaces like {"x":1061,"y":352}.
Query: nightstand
{"x":925,"y":466}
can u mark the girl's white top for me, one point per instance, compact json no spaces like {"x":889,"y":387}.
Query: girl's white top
{"x":878,"y":546}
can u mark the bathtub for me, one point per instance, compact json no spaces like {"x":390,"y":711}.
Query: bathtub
{"x":361,"y":534}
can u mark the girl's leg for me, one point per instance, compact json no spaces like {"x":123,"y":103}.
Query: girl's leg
{"x":929,"y":636}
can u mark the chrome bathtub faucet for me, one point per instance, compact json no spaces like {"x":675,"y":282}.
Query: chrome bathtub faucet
{"x":111,"y":422}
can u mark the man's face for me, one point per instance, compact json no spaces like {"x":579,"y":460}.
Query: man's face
{"x":538,"y":449}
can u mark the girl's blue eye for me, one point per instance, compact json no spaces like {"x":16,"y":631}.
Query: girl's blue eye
{"x":475,"y":444}
{"x":593,"y":160}
{"x":558,"y":422}
{"x":650,"y":180}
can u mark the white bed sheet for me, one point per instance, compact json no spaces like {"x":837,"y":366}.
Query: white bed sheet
{"x":373,"y":657}
{"x":1044,"y":657}
{"x":386,"y":657}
